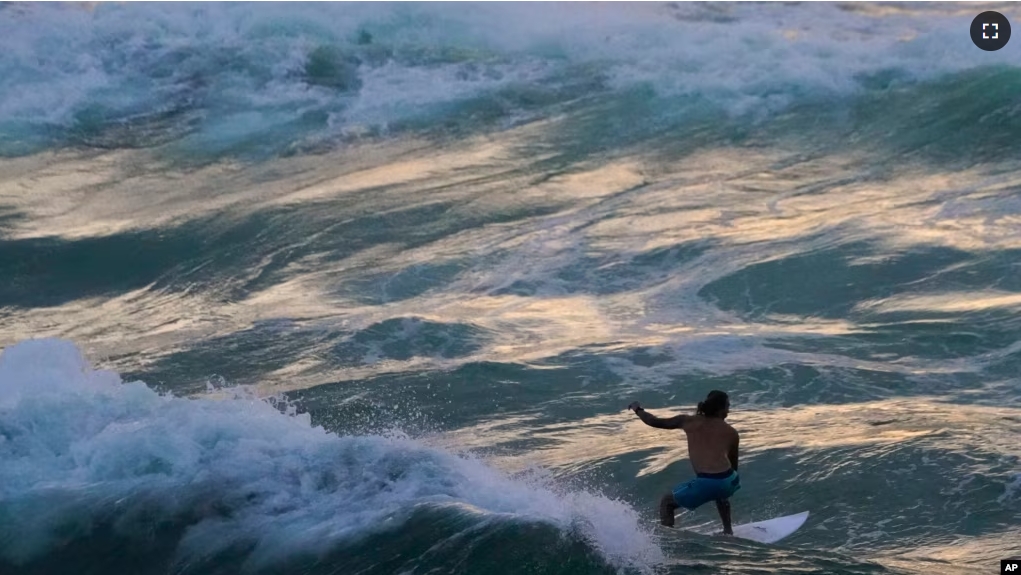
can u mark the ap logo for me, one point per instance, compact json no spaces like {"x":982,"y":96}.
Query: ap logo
{"x":1010,"y":566}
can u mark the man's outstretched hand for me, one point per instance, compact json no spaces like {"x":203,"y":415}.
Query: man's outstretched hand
{"x":635,"y":406}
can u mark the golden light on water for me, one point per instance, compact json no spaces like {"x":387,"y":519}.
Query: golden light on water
{"x":743,"y":206}
{"x":962,"y":302}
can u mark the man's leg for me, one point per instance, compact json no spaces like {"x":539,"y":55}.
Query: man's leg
{"x":723,"y":506}
{"x":667,"y":506}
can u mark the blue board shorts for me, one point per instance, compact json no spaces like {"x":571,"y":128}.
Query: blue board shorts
{"x":707,"y":487}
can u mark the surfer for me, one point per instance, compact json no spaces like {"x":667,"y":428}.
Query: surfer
{"x":712,"y":447}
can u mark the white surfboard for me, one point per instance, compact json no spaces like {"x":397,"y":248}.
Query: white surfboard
{"x":771,"y":530}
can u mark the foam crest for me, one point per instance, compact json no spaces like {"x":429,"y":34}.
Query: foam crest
{"x":135,"y":75}
{"x":48,"y":366}
{"x":81,"y":449}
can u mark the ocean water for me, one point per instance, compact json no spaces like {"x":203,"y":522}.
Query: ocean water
{"x":365,"y":288}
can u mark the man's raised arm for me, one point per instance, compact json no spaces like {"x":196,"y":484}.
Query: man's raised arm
{"x":675,"y":422}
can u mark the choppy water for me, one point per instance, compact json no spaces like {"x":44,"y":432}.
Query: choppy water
{"x":365,"y":288}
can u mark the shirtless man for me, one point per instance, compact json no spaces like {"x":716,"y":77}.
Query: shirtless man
{"x":712,"y":447}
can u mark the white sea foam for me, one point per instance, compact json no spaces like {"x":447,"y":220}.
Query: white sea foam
{"x":57,"y":61}
{"x":78,"y":446}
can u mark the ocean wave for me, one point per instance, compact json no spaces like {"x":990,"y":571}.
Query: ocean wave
{"x":87,"y":457}
{"x":256,"y":79}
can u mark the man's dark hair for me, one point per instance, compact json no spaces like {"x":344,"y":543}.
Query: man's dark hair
{"x":713,"y":404}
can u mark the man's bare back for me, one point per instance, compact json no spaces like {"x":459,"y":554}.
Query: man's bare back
{"x":710,"y":440}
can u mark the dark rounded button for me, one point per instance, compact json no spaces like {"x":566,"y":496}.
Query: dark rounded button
{"x":990,"y":31}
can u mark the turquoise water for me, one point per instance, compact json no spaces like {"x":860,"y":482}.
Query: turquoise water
{"x":338,"y":289}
